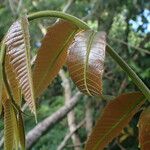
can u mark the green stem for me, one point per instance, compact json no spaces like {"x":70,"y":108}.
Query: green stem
{"x":2,"y":53}
{"x":58,"y":14}
{"x":140,"y":84}
{"x":111,"y":52}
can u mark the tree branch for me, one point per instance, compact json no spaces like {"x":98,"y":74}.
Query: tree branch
{"x":67,"y":137}
{"x":67,"y":6}
{"x":41,"y":128}
{"x":88,"y":116}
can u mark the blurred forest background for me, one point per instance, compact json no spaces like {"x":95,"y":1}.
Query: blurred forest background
{"x":127,"y":23}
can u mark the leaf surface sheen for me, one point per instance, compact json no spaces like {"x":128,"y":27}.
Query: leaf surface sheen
{"x":144,"y":129}
{"x":115,"y":117}
{"x":52,"y":54}
{"x":86,"y":61}
{"x":18,"y":52}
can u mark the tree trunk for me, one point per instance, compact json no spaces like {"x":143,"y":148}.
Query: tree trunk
{"x":71,"y":115}
{"x":89,"y":116}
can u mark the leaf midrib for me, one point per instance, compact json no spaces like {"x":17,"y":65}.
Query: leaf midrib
{"x":55,"y":58}
{"x":89,"y":46}
{"x":27,"y":54}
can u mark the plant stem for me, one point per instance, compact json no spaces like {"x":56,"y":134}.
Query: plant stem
{"x":2,"y":53}
{"x":144,"y":89}
{"x":140,"y":84}
{"x":81,"y":24}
